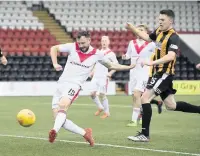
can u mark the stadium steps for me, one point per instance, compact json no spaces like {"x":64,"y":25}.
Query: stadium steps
{"x":54,"y":28}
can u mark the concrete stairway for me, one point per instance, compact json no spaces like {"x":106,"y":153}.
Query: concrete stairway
{"x":54,"y":28}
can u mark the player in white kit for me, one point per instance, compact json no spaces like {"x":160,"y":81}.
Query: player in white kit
{"x":100,"y":79}
{"x":139,"y":50}
{"x":81,"y":59}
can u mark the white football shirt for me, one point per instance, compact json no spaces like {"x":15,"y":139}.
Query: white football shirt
{"x":100,"y":71}
{"x":140,"y":50}
{"x":79,"y":65}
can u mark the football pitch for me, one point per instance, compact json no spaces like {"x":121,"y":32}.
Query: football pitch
{"x":172,"y":133}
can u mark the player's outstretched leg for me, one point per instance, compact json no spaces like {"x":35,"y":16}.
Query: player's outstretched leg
{"x":86,"y":133}
{"x":182,"y":106}
{"x":186,"y":107}
{"x":60,"y":118}
{"x":159,"y":105}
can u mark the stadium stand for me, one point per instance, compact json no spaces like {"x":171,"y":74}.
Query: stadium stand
{"x":111,"y":15}
{"x":15,"y":15}
{"x":26,"y":42}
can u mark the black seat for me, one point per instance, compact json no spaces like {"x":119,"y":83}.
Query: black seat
{"x":191,"y":76}
{"x":118,"y":76}
{"x":44,"y":76}
{"x":24,"y":61}
{"x":125,"y":76}
{"x":184,"y":75}
{"x":127,"y":62}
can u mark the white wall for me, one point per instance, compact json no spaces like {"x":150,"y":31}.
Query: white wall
{"x":192,"y":40}
{"x":48,"y":88}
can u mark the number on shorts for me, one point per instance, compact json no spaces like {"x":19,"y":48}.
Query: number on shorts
{"x":71,"y":92}
{"x":153,"y":80}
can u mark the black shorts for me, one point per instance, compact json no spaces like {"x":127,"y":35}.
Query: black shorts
{"x":162,"y":84}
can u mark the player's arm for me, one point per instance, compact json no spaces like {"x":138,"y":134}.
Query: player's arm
{"x":172,"y":50}
{"x":114,"y":60}
{"x":3,"y":58}
{"x":111,"y":73}
{"x":54,"y":51}
{"x":137,"y":32}
{"x":167,"y":58}
{"x":115,"y":66}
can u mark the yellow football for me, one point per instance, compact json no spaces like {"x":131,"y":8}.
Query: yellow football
{"x":26,"y":118}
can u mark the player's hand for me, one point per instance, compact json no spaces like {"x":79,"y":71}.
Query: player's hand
{"x":128,"y":26}
{"x":198,"y":66}
{"x":123,"y":57}
{"x":4,"y":60}
{"x":91,"y":74}
{"x":147,"y":63}
{"x":132,"y":66}
{"x":109,"y":75}
{"x":57,"y":67}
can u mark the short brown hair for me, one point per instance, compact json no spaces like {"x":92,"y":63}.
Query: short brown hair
{"x":83,"y":33}
{"x":168,"y":12}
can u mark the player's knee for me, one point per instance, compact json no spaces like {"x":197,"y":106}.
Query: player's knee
{"x":93,"y":95}
{"x":137,"y":95}
{"x":170,"y":104}
{"x":64,"y":103}
{"x":170,"y":107}
{"x":102,"y":96}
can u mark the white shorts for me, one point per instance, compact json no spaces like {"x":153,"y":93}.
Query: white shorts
{"x":138,"y":81}
{"x":99,"y":85}
{"x":67,"y":89}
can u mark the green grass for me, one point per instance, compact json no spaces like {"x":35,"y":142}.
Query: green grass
{"x":170,"y":131}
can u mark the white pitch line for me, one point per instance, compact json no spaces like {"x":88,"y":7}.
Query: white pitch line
{"x":106,"y":145}
{"x":116,"y":106}
{"x":93,"y":105}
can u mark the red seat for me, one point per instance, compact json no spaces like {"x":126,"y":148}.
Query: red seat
{"x":27,"y":42}
{"x":24,"y":34}
{"x":44,"y":48}
{"x":22,"y":41}
{"x":32,"y":34}
{"x":3,"y":33}
{"x":19,"y":53}
{"x":115,"y":36}
{"x":10,"y":34}
{"x":7,"y":41}
{"x":74,"y":34}
{"x":45,"y":41}
{"x":39,"y":34}
{"x":15,"y":41}
{"x":17,"y":34}
{"x":30,"y":41}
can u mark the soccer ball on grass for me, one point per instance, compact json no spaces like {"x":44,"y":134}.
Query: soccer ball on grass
{"x":26,"y":118}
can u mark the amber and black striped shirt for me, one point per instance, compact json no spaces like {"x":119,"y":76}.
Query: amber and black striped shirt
{"x":165,"y":42}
